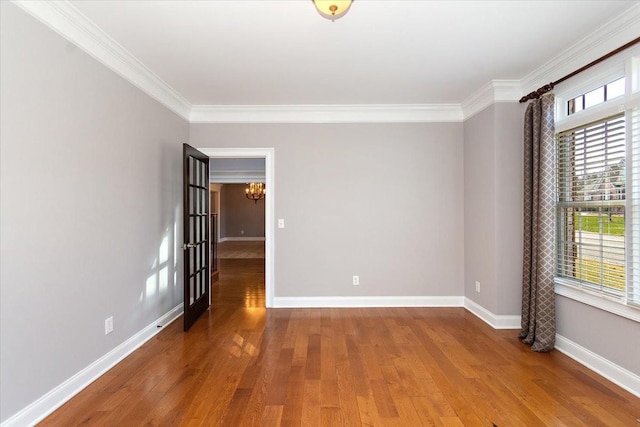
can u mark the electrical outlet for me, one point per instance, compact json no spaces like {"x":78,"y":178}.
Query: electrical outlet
{"x":281,"y":223}
{"x":108,"y":325}
{"x":241,"y":231}
{"x":356,"y":280}
{"x":477,"y":286}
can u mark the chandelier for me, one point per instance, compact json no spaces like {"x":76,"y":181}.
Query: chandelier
{"x":255,"y":191}
{"x":332,"y":9}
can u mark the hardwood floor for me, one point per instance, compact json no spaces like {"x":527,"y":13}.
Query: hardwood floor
{"x":241,"y":249}
{"x":243,"y":365}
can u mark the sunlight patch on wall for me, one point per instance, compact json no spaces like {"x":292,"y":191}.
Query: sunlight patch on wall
{"x":163,"y":255}
{"x":176,"y":245}
{"x":152,"y":284}
{"x":164,"y":278}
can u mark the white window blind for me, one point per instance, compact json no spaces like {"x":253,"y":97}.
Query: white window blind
{"x":591,"y":203}
{"x":633,"y":220}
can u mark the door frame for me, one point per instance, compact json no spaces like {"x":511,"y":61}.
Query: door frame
{"x":217,"y":204}
{"x":269,"y":227}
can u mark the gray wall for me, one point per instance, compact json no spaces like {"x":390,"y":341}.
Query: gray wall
{"x":240,"y":214}
{"x":493,"y":238}
{"x":90,"y":203}
{"x":230,"y":164}
{"x":509,"y":123}
{"x":613,"y":337}
{"x":480,"y":209}
{"x":382,"y":201}
{"x":493,"y":207}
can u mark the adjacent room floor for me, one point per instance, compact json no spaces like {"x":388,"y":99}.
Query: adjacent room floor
{"x":240,"y":249}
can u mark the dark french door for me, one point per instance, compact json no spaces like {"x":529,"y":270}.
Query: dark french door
{"x":195,"y":197}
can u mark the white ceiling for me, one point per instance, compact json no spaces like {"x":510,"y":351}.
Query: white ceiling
{"x":264,"y":52}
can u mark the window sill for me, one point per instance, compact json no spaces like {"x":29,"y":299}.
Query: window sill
{"x":602,"y":302}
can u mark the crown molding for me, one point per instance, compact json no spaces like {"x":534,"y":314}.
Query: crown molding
{"x":391,"y":113}
{"x":609,"y":36}
{"x":69,"y":22}
{"x":489,"y":94}
{"x":73,"y":25}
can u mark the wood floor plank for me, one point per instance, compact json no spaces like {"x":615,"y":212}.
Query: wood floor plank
{"x":358,"y":373}
{"x":426,"y":412}
{"x":382,"y":397}
{"x":244,"y":365}
{"x":603,"y":414}
{"x":347,"y":394}
{"x":370,"y":362}
{"x":312,"y":361}
{"x":272,"y":416}
{"x":451,"y":422}
{"x":329,"y":397}
{"x":368,"y":411}
{"x":311,"y":403}
{"x":407,"y":413}
{"x":292,"y":410}
{"x":236,"y":410}
{"x":330,"y":416}
{"x":437,"y":401}
{"x":278,"y":386}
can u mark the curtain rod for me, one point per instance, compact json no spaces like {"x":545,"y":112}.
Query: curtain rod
{"x":548,"y":87}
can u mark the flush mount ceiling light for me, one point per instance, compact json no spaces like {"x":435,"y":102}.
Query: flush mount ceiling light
{"x":332,"y":9}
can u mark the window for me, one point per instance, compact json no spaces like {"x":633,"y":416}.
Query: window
{"x":591,"y":205}
{"x":596,"y":96}
{"x":598,"y":194}
{"x":633,"y":222}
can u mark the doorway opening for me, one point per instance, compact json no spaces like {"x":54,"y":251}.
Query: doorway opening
{"x":247,"y":265}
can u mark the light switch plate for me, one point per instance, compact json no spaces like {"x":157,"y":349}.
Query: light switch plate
{"x":108,"y":325}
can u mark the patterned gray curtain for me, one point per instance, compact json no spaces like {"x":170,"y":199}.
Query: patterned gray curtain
{"x":538,"y":296}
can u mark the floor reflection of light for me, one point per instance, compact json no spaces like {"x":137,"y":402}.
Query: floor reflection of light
{"x":252,"y":299}
{"x":235,"y":351}
{"x":255,"y":313}
{"x":250,"y":349}
{"x":238,"y":340}
{"x":242,"y":346}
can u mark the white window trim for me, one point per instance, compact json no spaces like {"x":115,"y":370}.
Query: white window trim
{"x":603,"y":302}
{"x":620,"y":65}
{"x":592,"y":114}
{"x":565,"y":287}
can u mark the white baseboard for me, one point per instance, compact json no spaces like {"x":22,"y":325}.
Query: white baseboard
{"x":241,"y":239}
{"x":354,"y":302}
{"x":55,"y":398}
{"x":496,"y":321}
{"x":614,"y":373}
